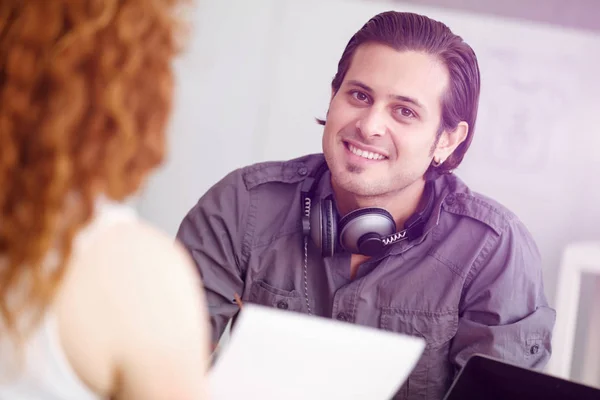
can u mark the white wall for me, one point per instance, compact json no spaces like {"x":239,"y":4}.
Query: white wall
{"x":220,"y":105}
{"x":258,"y":72}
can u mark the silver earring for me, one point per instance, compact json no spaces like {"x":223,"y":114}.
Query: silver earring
{"x":437,"y":162}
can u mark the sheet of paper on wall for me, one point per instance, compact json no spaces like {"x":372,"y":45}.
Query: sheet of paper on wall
{"x":275,"y":354}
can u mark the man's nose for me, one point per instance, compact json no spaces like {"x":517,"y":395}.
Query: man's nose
{"x":372,"y":123}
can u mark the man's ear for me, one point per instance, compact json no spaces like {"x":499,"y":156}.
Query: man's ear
{"x":449,"y":141}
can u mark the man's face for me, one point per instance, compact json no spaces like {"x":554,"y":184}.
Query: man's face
{"x":381,"y":125}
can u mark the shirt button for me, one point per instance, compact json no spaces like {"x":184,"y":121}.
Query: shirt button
{"x":342,"y":316}
{"x":302,"y":171}
{"x":282,"y":305}
{"x":534,"y":349}
{"x":451,"y":199}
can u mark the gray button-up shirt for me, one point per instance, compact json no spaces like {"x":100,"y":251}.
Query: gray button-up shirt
{"x":471,"y":284}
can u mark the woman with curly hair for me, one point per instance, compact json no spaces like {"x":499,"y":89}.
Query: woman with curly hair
{"x":94,"y":303}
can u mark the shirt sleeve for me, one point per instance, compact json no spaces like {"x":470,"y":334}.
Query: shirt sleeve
{"x":503,"y":310}
{"x":215,"y":234}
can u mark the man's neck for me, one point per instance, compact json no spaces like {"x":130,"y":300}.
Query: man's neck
{"x":400,"y":204}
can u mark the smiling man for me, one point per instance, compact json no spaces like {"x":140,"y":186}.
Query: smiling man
{"x":377,"y":230}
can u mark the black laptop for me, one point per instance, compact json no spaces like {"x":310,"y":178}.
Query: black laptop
{"x":487,"y":378}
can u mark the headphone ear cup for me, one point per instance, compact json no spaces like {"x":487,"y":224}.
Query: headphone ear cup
{"x":361,"y":230}
{"x":323,"y":226}
{"x":316,"y":224}
{"x":329,"y":225}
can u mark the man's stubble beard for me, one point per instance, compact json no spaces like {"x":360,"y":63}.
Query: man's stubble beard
{"x":354,"y":169}
{"x":364,"y":188}
{"x":378,"y":187}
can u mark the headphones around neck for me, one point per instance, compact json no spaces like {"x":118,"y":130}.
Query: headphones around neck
{"x":366,"y":231}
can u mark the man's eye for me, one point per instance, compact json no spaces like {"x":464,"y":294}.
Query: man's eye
{"x":405,"y":112}
{"x":360,"y":96}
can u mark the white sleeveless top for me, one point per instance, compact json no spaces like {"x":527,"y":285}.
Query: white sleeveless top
{"x":46,"y":372}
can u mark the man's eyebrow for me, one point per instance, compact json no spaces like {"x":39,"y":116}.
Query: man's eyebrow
{"x":360,"y":85}
{"x":399,"y":97}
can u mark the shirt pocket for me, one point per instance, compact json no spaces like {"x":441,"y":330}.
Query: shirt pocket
{"x":264,"y":294}
{"x":432,"y":375}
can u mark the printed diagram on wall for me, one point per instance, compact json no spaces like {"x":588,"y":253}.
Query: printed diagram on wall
{"x":526,"y":105}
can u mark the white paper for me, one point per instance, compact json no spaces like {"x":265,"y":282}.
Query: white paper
{"x":274,"y":354}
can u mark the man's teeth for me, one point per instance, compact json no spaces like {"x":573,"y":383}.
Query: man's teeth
{"x":365,"y":154}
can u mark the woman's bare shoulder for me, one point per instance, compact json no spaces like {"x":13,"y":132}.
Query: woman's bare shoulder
{"x":146,"y":303}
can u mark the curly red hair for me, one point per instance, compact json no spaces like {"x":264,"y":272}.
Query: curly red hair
{"x":85,"y":95}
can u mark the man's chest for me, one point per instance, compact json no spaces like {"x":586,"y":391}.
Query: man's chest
{"x":353,"y":289}
{"x":412,"y":293}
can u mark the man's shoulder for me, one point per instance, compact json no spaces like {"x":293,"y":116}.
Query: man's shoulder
{"x":261,"y":181}
{"x":459,"y":199}
{"x":474,"y":230}
{"x":284,"y":171}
